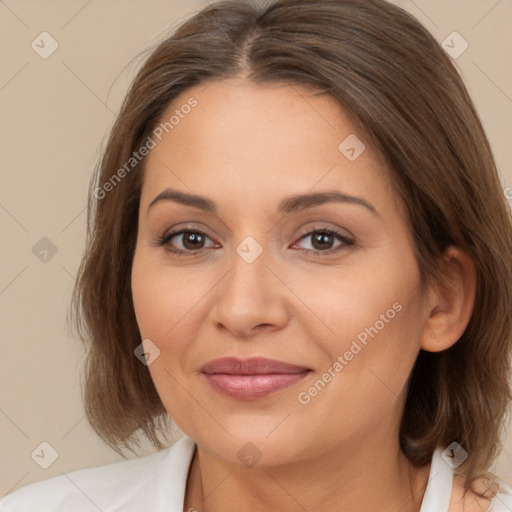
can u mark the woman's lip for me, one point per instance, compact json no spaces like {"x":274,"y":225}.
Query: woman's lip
{"x":253,"y":366}
{"x":248,"y":387}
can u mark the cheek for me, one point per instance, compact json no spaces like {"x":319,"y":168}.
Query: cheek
{"x":377,"y":339}
{"x":161,"y":297}
{"x":161,"y":305}
{"x":169,"y":308}
{"x":375,"y":314}
{"x":148,"y":300}
{"x":375,"y":296}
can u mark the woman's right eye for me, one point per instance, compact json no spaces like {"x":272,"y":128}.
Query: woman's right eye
{"x":192,"y":241}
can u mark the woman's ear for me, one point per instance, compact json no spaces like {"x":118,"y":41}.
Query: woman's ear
{"x":450,"y":303}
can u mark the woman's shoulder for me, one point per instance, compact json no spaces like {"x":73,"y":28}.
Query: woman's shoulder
{"x":130,"y":483}
{"x":84,"y":489}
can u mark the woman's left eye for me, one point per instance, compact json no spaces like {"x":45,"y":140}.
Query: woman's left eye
{"x":192,"y":241}
{"x":320,"y":238}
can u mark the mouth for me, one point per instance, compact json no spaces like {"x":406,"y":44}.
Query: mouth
{"x":252,"y":378}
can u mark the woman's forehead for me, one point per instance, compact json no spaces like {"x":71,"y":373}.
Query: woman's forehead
{"x":261,"y":138}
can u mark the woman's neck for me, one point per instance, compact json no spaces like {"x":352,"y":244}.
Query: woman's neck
{"x":372,"y":479}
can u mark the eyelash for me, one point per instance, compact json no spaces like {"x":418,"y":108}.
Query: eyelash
{"x":166,"y":238}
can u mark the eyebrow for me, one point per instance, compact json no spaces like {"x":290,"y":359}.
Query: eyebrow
{"x":290,"y":204}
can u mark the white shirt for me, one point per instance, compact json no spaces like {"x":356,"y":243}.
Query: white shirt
{"x":157,"y":482}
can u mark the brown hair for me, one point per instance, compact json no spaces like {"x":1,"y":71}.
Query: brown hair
{"x":412,"y":104}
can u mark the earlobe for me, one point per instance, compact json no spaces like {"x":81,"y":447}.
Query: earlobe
{"x":450,"y":303}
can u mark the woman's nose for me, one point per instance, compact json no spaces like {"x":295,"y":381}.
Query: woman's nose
{"x":250,"y":297}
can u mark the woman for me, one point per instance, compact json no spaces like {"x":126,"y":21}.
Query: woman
{"x":300,"y":252}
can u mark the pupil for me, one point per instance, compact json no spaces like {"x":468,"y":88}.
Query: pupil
{"x":192,"y":237}
{"x":322,"y":240}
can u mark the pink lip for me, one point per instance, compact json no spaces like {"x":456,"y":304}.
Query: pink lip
{"x":252,"y":378}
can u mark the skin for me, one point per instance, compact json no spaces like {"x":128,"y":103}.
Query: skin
{"x":246,"y":147}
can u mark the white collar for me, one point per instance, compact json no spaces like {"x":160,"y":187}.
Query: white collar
{"x":439,"y":488}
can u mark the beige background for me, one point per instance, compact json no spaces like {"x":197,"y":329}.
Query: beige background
{"x":55,"y":114}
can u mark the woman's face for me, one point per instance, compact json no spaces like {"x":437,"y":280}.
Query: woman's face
{"x":268,"y":281}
